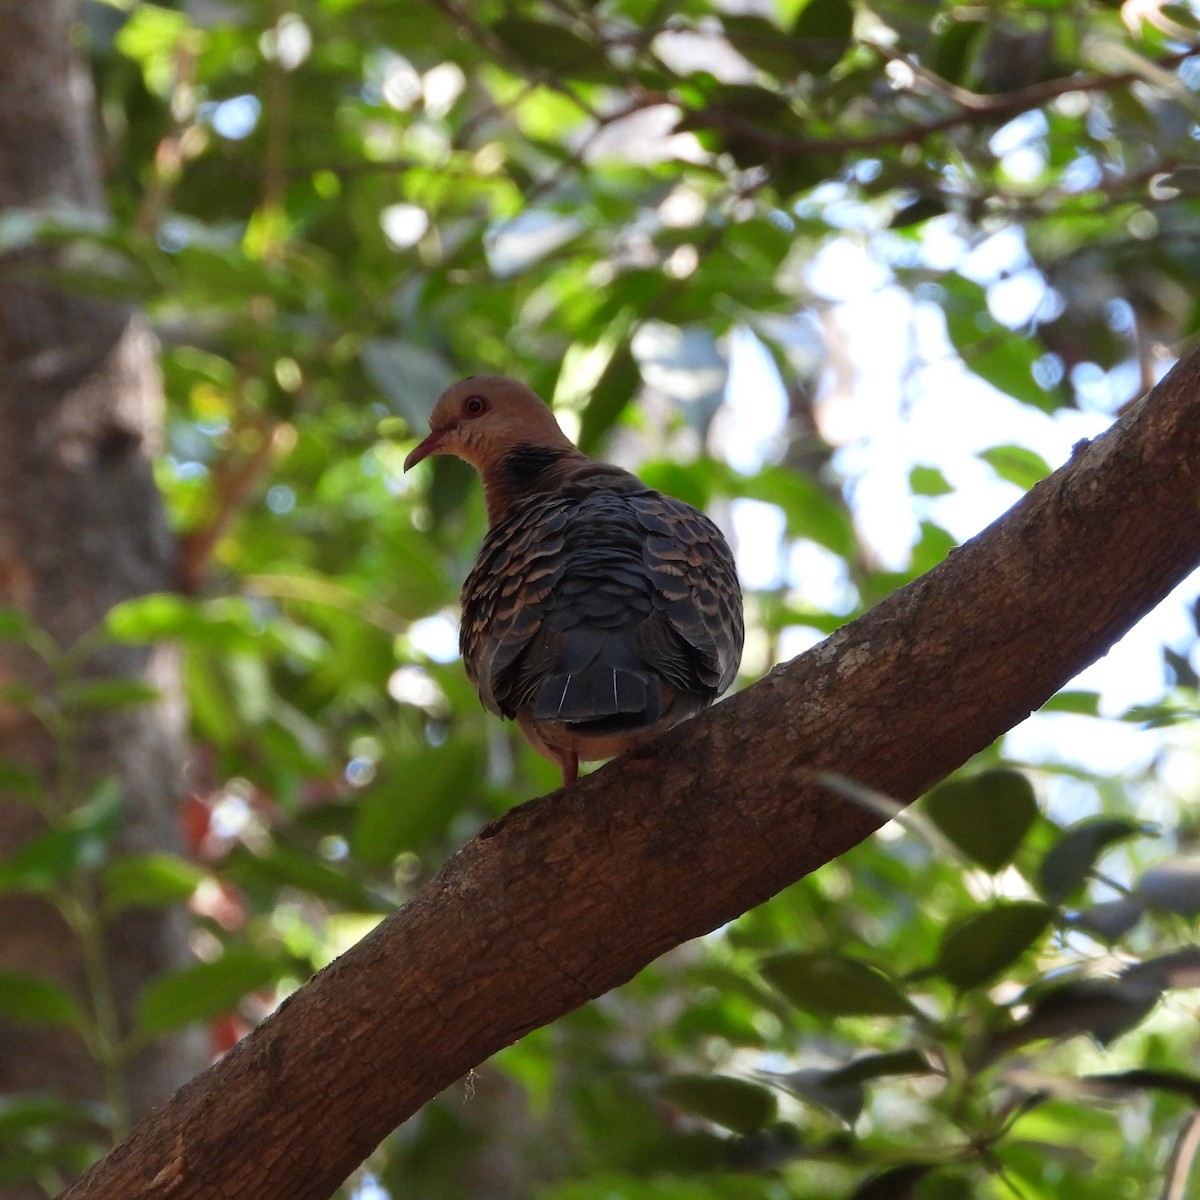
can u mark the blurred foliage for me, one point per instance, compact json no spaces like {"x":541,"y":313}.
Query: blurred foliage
{"x":332,"y":208}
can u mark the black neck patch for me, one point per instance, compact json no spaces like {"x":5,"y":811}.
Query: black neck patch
{"x":526,"y":465}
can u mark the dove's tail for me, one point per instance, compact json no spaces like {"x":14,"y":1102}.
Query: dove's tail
{"x":601,"y":698}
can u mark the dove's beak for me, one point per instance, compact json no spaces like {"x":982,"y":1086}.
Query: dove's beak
{"x":431,"y":445}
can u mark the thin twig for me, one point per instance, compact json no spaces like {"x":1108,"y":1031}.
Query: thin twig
{"x":170,"y":154}
{"x":971,"y":106}
{"x":232,"y":485}
{"x":276,"y":116}
{"x":1183,"y":1155}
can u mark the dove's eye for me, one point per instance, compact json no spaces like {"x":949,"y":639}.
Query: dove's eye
{"x":475,"y":406}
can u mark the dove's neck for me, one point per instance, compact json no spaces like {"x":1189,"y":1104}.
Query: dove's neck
{"x":528,"y":470}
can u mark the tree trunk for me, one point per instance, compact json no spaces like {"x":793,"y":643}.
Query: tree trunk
{"x":81,"y":529}
{"x":570,"y":895}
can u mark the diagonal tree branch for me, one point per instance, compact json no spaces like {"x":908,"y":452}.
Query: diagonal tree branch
{"x":571,"y":894}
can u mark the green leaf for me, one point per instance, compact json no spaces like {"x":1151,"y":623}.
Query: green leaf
{"x":922,"y":209}
{"x":282,"y":864}
{"x":753,"y":104}
{"x":952,"y":52}
{"x":1069,"y":861}
{"x":248,"y":681}
{"x":840,"y":1091}
{"x":16,"y":780}
{"x":842,"y":1097}
{"x":1108,"y":921}
{"x":737,"y":115}
{"x":79,"y":843}
{"x":151,"y":38}
{"x":107,"y":694}
{"x":33,"y":1000}
{"x":149,"y":881}
{"x":19,"y":694}
{"x":766,"y":45}
{"x":22,"y":1113}
{"x":554,"y":47}
{"x":1103,"y":1008}
{"x":979,"y":948}
{"x":928,"y":481}
{"x":986,"y":816}
{"x":825,"y":27}
{"x":1017,"y":464}
{"x":673,"y":479}
{"x":998,"y":355}
{"x":735,"y":1104}
{"x":932,"y":547}
{"x":613,"y":391}
{"x":1172,"y":885}
{"x":409,"y":375}
{"x":387,"y":824}
{"x":212,"y":714}
{"x":150,"y":618}
{"x":792,"y":174}
{"x":204,"y":991}
{"x":810,"y":511}
{"x":877,"y":1066}
{"x":229,"y":624}
{"x":834,"y":985}
{"x":1175,"y":969}
{"x":1085,"y":704}
{"x":1181,"y":14}
{"x":896,"y":1183}
{"x":15,"y":626}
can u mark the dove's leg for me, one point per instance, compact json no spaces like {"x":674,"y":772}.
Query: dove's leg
{"x":570,"y":767}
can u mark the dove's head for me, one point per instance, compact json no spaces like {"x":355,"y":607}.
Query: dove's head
{"x":484,"y":418}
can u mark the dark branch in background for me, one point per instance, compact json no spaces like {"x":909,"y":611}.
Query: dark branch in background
{"x":1183,"y":1155}
{"x":572,"y":894}
{"x":972,"y":107}
{"x":169,"y":157}
{"x":276,"y":118}
{"x":1010,"y":104}
{"x":234,"y":477}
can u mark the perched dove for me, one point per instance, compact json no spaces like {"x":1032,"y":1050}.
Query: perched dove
{"x":599,"y":611}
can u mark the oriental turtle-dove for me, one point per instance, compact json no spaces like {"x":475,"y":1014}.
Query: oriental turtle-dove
{"x":599,"y":611}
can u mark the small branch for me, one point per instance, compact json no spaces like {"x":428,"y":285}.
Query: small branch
{"x":276,"y":117}
{"x":232,"y":484}
{"x":1183,"y":1156}
{"x":170,"y":154}
{"x":972,"y":107}
{"x":1010,"y":103}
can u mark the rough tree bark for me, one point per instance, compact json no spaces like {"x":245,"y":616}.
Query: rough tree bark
{"x":571,"y":894}
{"x":81,"y":528}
